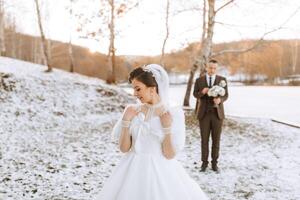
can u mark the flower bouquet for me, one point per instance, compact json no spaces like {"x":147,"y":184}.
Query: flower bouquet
{"x":217,"y":90}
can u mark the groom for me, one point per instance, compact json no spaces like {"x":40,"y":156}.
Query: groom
{"x":210,"y":114}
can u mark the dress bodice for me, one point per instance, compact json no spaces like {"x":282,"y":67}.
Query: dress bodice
{"x":147,"y":135}
{"x":147,"y":132}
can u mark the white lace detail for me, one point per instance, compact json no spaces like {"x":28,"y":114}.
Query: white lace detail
{"x":151,"y":109}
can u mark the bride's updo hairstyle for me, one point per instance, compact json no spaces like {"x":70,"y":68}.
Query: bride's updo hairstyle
{"x":143,"y":76}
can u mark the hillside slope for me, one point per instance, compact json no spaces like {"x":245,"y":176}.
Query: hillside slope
{"x":55,"y":142}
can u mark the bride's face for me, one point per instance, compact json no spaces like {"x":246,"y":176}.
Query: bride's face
{"x":142,"y":92}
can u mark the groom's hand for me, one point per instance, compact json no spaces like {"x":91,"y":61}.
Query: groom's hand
{"x":217,"y":100}
{"x":205,"y":90}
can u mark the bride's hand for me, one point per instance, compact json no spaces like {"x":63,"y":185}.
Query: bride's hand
{"x":130,"y":113}
{"x":166,"y":119}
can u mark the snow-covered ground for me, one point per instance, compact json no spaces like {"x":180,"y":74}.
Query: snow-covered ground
{"x":55,"y":142}
{"x":259,"y":161}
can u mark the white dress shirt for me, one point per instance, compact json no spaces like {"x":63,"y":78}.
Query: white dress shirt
{"x":213,"y":78}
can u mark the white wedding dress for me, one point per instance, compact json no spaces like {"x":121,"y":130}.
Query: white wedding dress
{"x":144,"y":173}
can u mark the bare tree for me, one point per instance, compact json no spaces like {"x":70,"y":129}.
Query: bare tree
{"x":203,"y":21}
{"x":111,"y":77}
{"x":167,"y":33}
{"x":2,"y":30}
{"x":115,"y":11}
{"x":70,"y":45}
{"x":44,"y":41}
{"x":11,"y":37}
{"x":105,"y":16}
{"x":192,"y":73}
{"x":206,"y":45}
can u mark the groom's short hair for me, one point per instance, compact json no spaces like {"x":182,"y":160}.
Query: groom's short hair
{"x":213,"y":61}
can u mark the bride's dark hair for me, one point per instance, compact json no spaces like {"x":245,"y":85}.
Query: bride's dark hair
{"x":143,"y":76}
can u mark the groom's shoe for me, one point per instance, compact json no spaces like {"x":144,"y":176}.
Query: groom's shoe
{"x":203,"y":167}
{"x":215,"y":168}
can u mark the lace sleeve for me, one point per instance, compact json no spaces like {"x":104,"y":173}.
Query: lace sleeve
{"x":117,"y":129}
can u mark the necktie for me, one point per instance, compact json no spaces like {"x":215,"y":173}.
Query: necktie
{"x":210,"y":82}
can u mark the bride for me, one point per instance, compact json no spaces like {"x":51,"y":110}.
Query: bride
{"x":151,"y":134}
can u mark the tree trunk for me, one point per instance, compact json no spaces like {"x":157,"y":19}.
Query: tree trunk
{"x":186,"y":101}
{"x":44,"y":42}
{"x":189,"y":86}
{"x":111,"y":75}
{"x":203,"y":21}
{"x":13,"y":39}
{"x":167,"y":33}
{"x":206,"y":48}
{"x":70,"y":46}
{"x":2,"y":31}
{"x":70,"y":50}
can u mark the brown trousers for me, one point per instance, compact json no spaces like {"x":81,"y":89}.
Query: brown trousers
{"x":210,"y":124}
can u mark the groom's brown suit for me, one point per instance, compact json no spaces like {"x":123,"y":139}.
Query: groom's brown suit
{"x":210,"y":118}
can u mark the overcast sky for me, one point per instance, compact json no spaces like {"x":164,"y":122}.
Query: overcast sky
{"x":143,"y":27}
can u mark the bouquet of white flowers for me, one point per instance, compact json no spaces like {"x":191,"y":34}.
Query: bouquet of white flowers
{"x":222,"y":83}
{"x":217,"y":90}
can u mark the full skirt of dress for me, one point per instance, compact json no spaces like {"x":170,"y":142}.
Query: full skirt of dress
{"x":150,"y":177}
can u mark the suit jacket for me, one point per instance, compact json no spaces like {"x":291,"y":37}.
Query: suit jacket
{"x":201,"y":83}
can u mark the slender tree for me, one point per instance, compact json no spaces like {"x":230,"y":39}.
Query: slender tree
{"x":11,"y":37}
{"x":115,"y":11}
{"x":206,"y":44}
{"x":167,"y":28}
{"x":111,"y":76}
{"x":105,"y":16}
{"x":70,"y":45}
{"x":44,"y":41}
{"x":194,"y":68}
{"x":2,"y":30}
